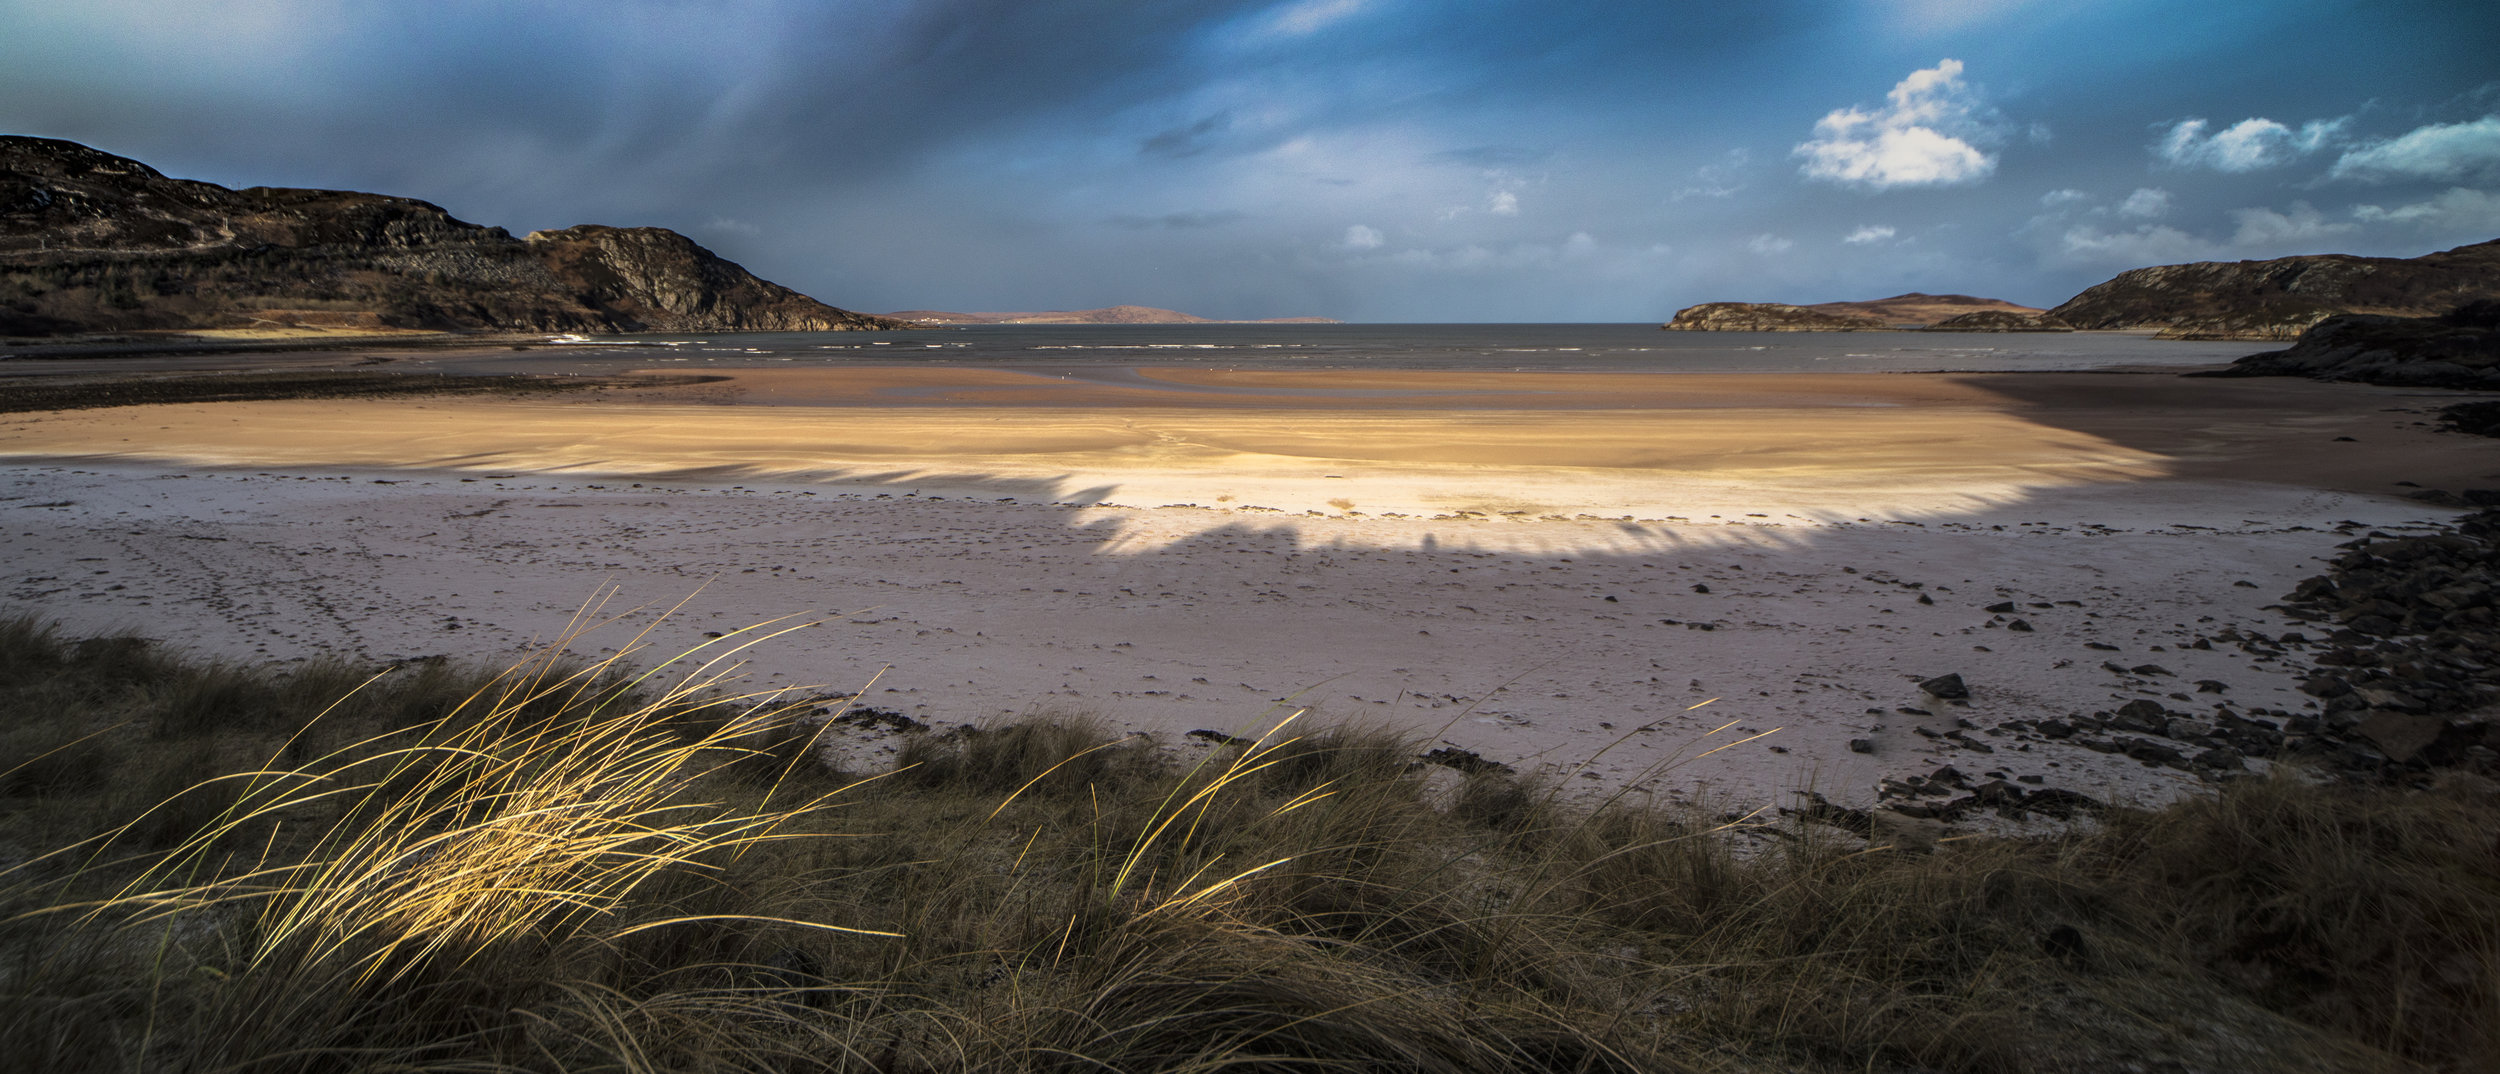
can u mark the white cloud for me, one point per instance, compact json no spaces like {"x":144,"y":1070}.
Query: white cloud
{"x":1505,"y":203}
{"x":1720,"y":180}
{"x":2068,"y":196}
{"x":2151,"y":244}
{"x":1916,"y":139}
{"x":2451,"y":151}
{"x":2266,"y":227}
{"x":732,"y":225}
{"x":2147,"y":202}
{"x":1311,"y":16}
{"x":2244,"y":146}
{"x":2459,"y":209}
{"x":1867,"y":233}
{"x":1768,"y":244}
{"x":1359,"y":237}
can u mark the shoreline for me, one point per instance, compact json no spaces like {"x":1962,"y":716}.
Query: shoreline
{"x":1717,"y":543}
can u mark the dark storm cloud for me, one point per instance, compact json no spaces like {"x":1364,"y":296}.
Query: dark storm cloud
{"x":1368,"y":159}
{"x":1186,"y":141}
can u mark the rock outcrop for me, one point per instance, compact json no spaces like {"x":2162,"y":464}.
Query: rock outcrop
{"x":2281,"y":298}
{"x":2000,"y":321}
{"x":1768,"y":317}
{"x":92,"y":242}
{"x":2458,"y":349}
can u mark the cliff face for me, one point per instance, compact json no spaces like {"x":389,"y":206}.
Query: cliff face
{"x":661,"y":280}
{"x":1768,"y":317}
{"x":2279,"y":299}
{"x":93,"y":242}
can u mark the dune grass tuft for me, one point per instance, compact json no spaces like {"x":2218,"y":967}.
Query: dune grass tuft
{"x":564,"y":866}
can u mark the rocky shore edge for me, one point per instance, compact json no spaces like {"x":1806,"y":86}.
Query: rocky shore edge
{"x":2456,"y":349}
{"x":2406,"y":669}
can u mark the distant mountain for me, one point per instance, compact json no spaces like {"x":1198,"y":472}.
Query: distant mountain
{"x":2278,"y":299}
{"x":1105,"y":315}
{"x":1912,"y":310}
{"x":92,"y":242}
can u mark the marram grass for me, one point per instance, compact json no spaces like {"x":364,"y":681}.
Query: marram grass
{"x":564,"y":866}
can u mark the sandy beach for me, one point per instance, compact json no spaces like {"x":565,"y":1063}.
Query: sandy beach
{"x":1548,"y":569}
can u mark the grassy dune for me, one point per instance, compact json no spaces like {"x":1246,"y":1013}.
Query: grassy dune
{"x":565,"y":867}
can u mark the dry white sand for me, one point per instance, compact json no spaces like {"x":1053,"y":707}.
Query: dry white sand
{"x":981,"y":558}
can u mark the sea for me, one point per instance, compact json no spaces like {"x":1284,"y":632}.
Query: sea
{"x":1616,"y":348}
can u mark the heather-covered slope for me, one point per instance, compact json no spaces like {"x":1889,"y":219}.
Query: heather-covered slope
{"x":94,"y":242}
{"x":2278,"y":299}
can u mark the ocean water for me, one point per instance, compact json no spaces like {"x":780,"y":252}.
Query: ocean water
{"x":1617,"y":348}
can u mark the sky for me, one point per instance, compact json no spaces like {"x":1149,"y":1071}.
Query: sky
{"x":1366,"y":160}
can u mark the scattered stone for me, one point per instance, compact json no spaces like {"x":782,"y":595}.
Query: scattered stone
{"x":2403,"y":736}
{"x":877,"y":719}
{"x":1947,"y":687}
{"x":2409,"y":684}
{"x":1467,"y":761}
{"x":1861,"y":745}
{"x":1904,"y":830}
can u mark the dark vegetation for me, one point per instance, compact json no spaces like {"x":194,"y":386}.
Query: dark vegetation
{"x":2279,"y":298}
{"x":568,"y":867}
{"x":92,"y":242}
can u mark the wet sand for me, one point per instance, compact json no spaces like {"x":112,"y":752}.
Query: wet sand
{"x":1531,"y":566}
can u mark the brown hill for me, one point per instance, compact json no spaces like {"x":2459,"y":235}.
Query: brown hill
{"x":2278,"y":299}
{"x":1105,"y":315}
{"x":1917,"y":308}
{"x":92,"y":242}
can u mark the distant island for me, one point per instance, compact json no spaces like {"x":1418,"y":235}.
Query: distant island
{"x":1913,"y":310}
{"x":2275,"y":299}
{"x":93,"y":243}
{"x":1105,"y":315}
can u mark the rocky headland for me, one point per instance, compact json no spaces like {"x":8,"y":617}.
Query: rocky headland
{"x":1768,"y":317}
{"x":91,"y":242}
{"x":1913,"y":310}
{"x":2457,"y":349}
{"x":2282,"y":298}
